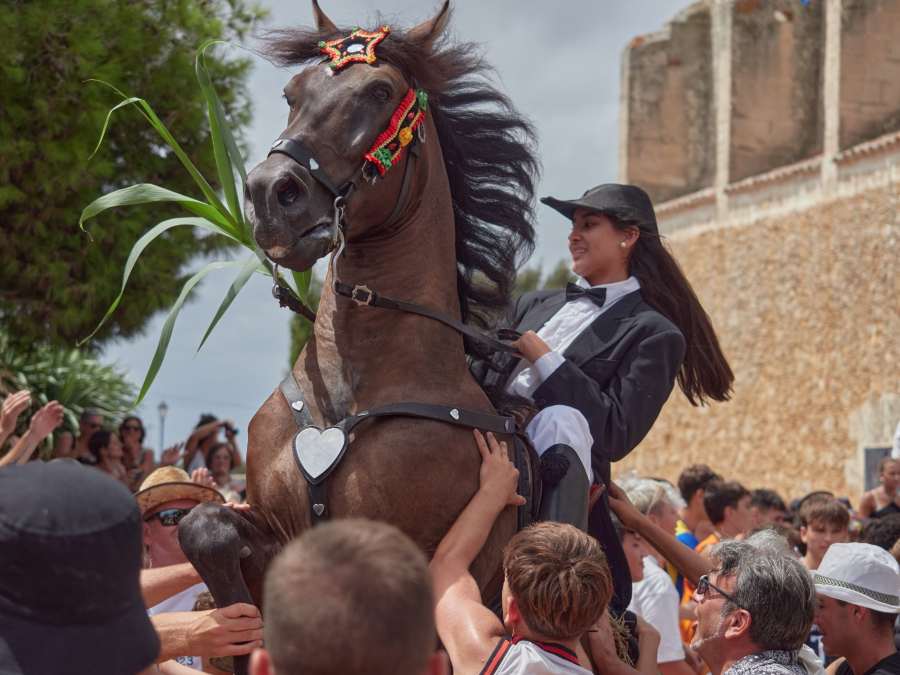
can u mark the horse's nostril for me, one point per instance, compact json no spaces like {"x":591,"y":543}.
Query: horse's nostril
{"x":287,"y":190}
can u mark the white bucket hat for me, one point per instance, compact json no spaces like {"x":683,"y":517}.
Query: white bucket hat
{"x":861,"y":574}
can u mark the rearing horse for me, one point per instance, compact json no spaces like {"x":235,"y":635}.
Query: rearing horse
{"x":444,"y":228}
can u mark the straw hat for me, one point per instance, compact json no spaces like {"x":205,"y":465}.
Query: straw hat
{"x":169,"y":484}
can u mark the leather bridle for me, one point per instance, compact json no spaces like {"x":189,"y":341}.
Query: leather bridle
{"x":361,"y":293}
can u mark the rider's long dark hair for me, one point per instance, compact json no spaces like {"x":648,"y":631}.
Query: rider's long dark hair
{"x":704,"y":373}
{"x":489,"y":154}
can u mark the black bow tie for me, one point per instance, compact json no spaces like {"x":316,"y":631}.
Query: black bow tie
{"x":595,"y":295}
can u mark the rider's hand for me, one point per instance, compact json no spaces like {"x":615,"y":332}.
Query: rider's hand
{"x":531,"y":347}
{"x":498,"y":477}
{"x":229,"y":631}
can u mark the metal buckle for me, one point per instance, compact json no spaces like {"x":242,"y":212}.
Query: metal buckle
{"x":276,"y":288}
{"x":362,"y":288}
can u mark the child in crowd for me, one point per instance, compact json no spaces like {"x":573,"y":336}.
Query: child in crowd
{"x":823,"y":521}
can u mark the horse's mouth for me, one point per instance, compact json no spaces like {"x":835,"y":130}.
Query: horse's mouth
{"x":306,"y":249}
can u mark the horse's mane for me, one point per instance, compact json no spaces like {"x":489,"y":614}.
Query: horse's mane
{"x":489,"y":153}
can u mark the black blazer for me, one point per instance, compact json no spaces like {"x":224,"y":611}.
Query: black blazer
{"x":618,"y":373}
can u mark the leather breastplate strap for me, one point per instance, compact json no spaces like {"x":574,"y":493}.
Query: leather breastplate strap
{"x":318,"y":452}
{"x":363,"y":295}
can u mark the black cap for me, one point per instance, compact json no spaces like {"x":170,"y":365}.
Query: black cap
{"x":628,"y":203}
{"x":70,"y":555}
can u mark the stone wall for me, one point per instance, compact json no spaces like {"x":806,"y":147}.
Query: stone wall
{"x":870,"y":70}
{"x":671,"y":106}
{"x":806,"y":308}
{"x":794,"y":246}
{"x":776,"y":84}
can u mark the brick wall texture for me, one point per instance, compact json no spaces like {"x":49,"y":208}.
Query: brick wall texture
{"x":807,"y":308}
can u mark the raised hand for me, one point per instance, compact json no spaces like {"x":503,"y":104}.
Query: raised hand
{"x":498,"y":474}
{"x":13,"y":405}
{"x":46,"y":420}
{"x":202,"y":476}
{"x":171,"y":455}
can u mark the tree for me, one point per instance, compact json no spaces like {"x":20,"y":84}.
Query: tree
{"x":70,"y":376}
{"x":55,"y":282}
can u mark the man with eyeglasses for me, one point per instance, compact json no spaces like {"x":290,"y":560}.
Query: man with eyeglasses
{"x":90,"y":422}
{"x":754,"y":610}
{"x":166,"y":496}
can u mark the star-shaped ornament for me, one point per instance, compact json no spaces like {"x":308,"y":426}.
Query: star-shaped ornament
{"x":358,"y":47}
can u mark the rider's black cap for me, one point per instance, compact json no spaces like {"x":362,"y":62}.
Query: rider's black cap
{"x":627,"y":203}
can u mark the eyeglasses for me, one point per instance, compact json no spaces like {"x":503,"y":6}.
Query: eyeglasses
{"x":131,"y":427}
{"x":169,"y":517}
{"x":703,"y":586}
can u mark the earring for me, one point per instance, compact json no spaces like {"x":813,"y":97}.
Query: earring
{"x":622,"y":244}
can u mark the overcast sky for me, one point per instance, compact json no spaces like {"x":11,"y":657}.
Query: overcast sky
{"x":558,"y":62}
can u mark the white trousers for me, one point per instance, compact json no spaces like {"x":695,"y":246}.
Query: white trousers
{"x":562,"y":424}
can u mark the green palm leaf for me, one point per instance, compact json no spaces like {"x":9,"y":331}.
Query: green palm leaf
{"x":225,"y":149}
{"x":138,"y":248}
{"x":150,"y":115}
{"x":250,"y":266}
{"x":145,"y":193}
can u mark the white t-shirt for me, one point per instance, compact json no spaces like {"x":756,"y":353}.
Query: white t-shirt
{"x":529,"y":658}
{"x":182,"y":602}
{"x":656,"y":601}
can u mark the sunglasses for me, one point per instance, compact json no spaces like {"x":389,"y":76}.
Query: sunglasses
{"x":169,"y":517}
{"x":703,"y":586}
{"x":131,"y":427}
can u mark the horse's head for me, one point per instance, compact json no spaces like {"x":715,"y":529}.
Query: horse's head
{"x":337,"y":113}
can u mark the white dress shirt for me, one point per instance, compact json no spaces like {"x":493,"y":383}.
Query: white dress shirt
{"x":561,"y":331}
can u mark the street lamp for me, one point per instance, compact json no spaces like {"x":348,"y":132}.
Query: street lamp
{"x":163,"y":410}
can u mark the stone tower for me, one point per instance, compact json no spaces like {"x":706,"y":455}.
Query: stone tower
{"x":768,"y":134}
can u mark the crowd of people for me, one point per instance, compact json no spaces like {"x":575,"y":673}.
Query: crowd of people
{"x":120,"y":451}
{"x":641,"y":576}
{"x":724,"y":579}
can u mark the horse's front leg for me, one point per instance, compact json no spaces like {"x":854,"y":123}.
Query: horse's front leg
{"x":230,"y":553}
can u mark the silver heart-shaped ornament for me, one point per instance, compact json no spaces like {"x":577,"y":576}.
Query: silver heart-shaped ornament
{"x":319,"y":450}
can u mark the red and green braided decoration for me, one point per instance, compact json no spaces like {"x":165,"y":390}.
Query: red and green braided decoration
{"x":400,"y":132}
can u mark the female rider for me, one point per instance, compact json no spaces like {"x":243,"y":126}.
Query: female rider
{"x":600,"y":358}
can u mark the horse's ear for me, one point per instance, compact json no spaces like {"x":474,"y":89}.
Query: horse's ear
{"x":429,"y":31}
{"x":323,"y":23}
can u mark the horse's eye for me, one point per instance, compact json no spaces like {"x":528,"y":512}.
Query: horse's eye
{"x":381,"y":93}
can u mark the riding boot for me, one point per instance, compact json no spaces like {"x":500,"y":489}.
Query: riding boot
{"x":565,"y":487}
